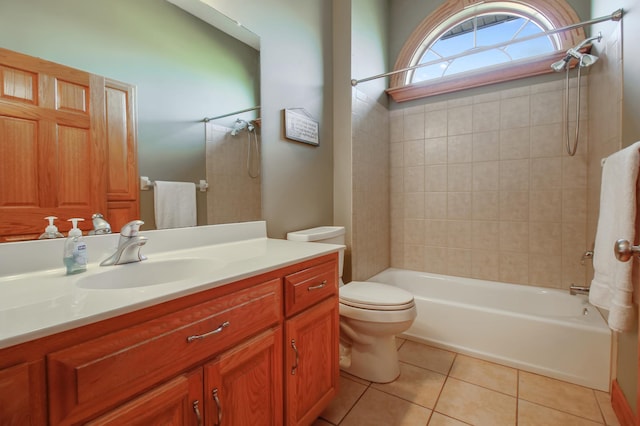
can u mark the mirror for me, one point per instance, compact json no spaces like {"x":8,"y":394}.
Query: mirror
{"x":184,"y":69}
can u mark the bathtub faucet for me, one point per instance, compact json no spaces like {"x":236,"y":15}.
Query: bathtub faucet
{"x":574,"y":289}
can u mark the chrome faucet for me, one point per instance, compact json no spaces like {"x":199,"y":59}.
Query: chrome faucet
{"x":129,"y":244}
{"x":100,"y":225}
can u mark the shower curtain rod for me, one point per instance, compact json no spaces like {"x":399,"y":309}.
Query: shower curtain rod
{"x":615,"y":16}
{"x":207,"y":119}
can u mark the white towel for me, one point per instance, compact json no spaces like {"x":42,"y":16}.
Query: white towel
{"x":612,"y":287}
{"x":175,"y":204}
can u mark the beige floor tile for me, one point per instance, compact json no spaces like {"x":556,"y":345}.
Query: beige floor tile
{"x":486,"y":374}
{"x":530,"y":414}
{"x":399,"y":342}
{"x":415,"y":384}
{"x":424,"y":356}
{"x":321,"y":422}
{"x":604,"y":401}
{"x":377,"y":408}
{"x":347,"y":396}
{"x":438,"y":419}
{"x":476,"y":405}
{"x":559,"y":395}
{"x":355,"y":378}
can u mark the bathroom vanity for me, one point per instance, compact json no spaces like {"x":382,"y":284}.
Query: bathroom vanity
{"x":252,"y":341}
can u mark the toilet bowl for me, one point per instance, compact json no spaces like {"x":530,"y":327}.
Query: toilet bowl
{"x":371,"y":315}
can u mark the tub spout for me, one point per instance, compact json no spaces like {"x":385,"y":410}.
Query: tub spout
{"x":574,"y":289}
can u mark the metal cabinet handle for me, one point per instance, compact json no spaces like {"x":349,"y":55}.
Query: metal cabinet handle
{"x":197,"y":410}
{"x":202,"y":336}
{"x":317,"y":287}
{"x":295,"y":349}
{"x":217,"y":401}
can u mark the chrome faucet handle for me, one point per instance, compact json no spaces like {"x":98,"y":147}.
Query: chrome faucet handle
{"x":131,"y":229}
{"x":100,"y":225}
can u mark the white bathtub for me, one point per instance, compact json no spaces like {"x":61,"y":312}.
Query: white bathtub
{"x":535,"y":329}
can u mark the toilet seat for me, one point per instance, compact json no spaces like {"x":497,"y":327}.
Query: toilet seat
{"x":375,"y":296}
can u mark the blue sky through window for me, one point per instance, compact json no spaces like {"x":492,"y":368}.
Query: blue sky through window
{"x":486,"y":31}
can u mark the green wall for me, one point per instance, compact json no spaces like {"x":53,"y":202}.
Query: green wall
{"x":183,"y":68}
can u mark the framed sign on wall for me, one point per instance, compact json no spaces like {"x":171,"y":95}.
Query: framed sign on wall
{"x":300,"y":126}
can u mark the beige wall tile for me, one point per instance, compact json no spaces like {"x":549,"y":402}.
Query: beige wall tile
{"x":514,"y":143}
{"x":486,"y":146}
{"x":514,"y":267}
{"x":546,"y":206}
{"x":414,"y":205}
{"x":435,"y":151}
{"x":435,"y":259}
{"x":514,"y":237}
{"x":485,"y":205}
{"x":486,"y":176}
{"x":459,"y":234}
{"x":545,"y":270}
{"x":458,"y":205}
{"x":514,"y":112}
{"x":545,"y":238}
{"x":486,"y":116}
{"x":414,"y":257}
{"x":435,"y":123}
{"x":413,"y":126}
{"x":414,"y":179}
{"x":413,"y":154}
{"x":514,"y":175}
{"x":459,"y":120}
{"x":459,"y":262}
{"x":485,"y":235}
{"x":435,"y":205}
{"x":459,"y":149}
{"x":547,"y":140}
{"x":414,"y":231}
{"x":514,"y":205}
{"x":459,"y":177}
{"x":485,"y":265}
{"x":435,"y":178}
{"x":546,"y":173}
{"x":546,"y":108}
{"x":436,"y":233}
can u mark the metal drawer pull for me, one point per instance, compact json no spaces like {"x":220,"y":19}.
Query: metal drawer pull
{"x":202,"y":336}
{"x":317,"y":287}
{"x":217,"y":401}
{"x":295,"y":349}
{"x":197,"y":410}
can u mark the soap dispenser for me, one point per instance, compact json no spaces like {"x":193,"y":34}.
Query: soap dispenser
{"x":75,"y":250}
{"x":50,"y":231}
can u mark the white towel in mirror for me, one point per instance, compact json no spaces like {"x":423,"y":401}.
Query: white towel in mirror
{"x":175,"y":204}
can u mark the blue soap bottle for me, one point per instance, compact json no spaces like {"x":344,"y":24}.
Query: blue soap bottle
{"x":75,"y":250}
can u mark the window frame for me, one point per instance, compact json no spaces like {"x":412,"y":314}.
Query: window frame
{"x":556,"y":13}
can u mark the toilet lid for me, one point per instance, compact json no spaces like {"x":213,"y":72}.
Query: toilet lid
{"x":372,"y":295}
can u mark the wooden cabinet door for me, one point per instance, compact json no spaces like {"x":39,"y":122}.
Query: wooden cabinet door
{"x":22,"y":395}
{"x":122,"y":154}
{"x":243,"y":387}
{"x":52,"y":145}
{"x":311,"y":362}
{"x":176,"y":403}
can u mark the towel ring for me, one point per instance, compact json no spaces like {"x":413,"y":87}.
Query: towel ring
{"x":624,"y":250}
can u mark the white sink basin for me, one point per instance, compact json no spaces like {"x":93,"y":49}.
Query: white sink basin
{"x":148,"y":273}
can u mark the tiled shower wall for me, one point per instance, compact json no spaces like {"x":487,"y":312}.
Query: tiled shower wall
{"x":371,"y":220}
{"x":481,"y":187}
{"x":233,"y":195}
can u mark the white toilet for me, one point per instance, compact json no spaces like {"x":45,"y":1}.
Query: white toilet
{"x":371,"y":315}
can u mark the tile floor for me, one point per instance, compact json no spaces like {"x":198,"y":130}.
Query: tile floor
{"x":442,"y":388}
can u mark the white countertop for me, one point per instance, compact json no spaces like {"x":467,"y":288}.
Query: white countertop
{"x":37,"y":298}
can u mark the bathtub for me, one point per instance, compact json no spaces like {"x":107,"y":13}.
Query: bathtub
{"x":535,"y":329}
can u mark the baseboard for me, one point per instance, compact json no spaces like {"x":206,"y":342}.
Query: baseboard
{"x":621,"y":407}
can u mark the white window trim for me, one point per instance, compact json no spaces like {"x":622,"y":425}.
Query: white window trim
{"x":548,"y":13}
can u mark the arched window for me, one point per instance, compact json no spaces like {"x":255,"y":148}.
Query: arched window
{"x":473,"y":43}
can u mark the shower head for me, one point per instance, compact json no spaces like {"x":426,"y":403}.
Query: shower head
{"x":239,"y":125}
{"x":584,"y":59}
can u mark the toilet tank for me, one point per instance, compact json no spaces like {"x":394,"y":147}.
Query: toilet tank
{"x":322,"y":234}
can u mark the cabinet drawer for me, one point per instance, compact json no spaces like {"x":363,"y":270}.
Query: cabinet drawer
{"x":309,"y":286}
{"x":95,"y":375}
